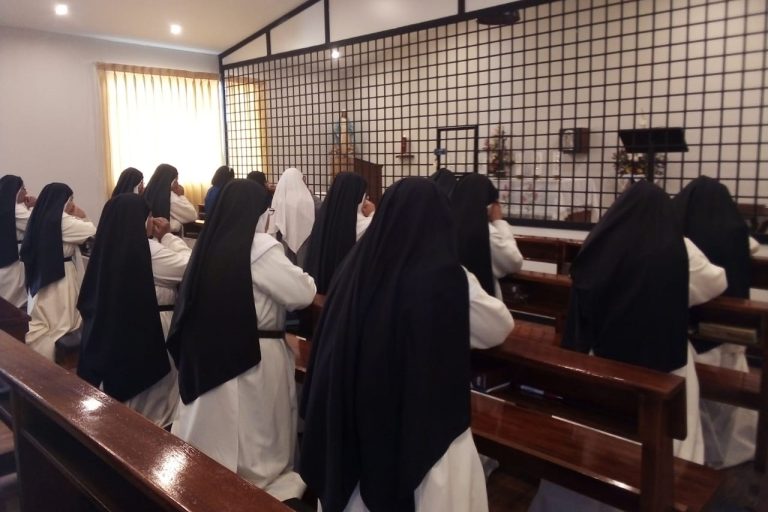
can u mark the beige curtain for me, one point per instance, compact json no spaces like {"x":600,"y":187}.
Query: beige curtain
{"x":246,"y":114}
{"x":153,"y":116}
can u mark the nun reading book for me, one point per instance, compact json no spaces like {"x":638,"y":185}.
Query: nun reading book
{"x":386,"y":399}
{"x":15,"y":209}
{"x":236,"y":372}
{"x":53,"y":266}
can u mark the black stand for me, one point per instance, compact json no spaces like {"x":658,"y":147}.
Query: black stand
{"x":651,"y":141}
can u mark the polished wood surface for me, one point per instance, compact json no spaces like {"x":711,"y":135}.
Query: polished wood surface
{"x":372,"y":174}
{"x":80,"y":450}
{"x":562,"y":251}
{"x":585,"y":460}
{"x":13,"y":320}
{"x":547,"y":294}
{"x":649,"y":405}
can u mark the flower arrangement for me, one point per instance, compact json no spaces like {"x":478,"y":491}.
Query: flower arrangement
{"x":499,"y":153}
{"x":634,"y":165}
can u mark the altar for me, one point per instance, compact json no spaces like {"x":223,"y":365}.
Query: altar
{"x":563,"y":199}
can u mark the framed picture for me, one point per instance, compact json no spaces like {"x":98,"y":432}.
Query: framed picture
{"x":574,"y":140}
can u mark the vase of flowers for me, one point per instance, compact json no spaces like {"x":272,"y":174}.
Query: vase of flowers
{"x":634,"y":166}
{"x":499,"y":153}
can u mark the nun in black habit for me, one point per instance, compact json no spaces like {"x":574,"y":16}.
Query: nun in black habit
{"x":131,"y":181}
{"x":445,"y":180}
{"x":236,"y":372}
{"x":386,"y":401}
{"x":338,"y":225}
{"x":711,"y":220}
{"x":166,"y":198}
{"x":14,"y":214}
{"x":123,"y":346}
{"x":53,"y":266}
{"x":633,"y":280}
{"x":487,"y":246}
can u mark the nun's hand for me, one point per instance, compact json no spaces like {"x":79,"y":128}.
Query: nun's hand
{"x":75,"y":210}
{"x":160,"y":228}
{"x":494,"y":212}
{"x":30,"y":201}
{"x":177,"y":189}
{"x":368,"y":208}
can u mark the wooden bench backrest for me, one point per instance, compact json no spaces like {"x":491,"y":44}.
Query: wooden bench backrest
{"x":562,"y":251}
{"x":647,"y":406}
{"x":13,"y":320}
{"x":77,"y":449}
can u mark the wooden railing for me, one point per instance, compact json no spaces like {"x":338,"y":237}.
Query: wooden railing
{"x":79,"y":450}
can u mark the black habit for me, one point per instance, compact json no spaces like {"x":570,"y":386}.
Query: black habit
{"x":123,"y":348}
{"x":386,"y":391}
{"x":214,"y":335}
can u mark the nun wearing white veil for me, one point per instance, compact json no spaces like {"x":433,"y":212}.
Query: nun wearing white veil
{"x":293,"y":215}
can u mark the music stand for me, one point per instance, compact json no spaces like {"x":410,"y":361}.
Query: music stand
{"x":651,"y":141}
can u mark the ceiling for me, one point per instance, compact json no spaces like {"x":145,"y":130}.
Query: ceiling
{"x":209,"y":26}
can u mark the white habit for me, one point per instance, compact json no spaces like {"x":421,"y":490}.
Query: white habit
{"x":705,"y":282}
{"x":159,"y":403}
{"x":12,"y":286}
{"x":456,"y":483}
{"x":248,"y":424}
{"x":505,"y":256}
{"x":729,"y":432}
{"x":54,"y":308}
{"x":182,"y":212}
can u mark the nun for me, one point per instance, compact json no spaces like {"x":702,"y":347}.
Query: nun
{"x":711,"y":220}
{"x":487,"y":247}
{"x":131,"y":181}
{"x":633,"y":282}
{"x":221,"y":177}
{"x":342,"y":220}
{"x":236,"y":372}
{"x":258,"y":177}
{"x":386,"y":400}
{"x":445,"y":180}
{"x":293,"y":215}
{"x":125,"y":356}
{"x":15,"y":209}
{"x":53,"y":266}
{"x":166,"y":198}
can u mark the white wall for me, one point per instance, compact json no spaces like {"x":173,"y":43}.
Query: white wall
{"x":50,"y":114}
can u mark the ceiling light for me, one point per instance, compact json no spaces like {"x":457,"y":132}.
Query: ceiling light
{"x":61,"y":9}
{"x":335,"y":54}
{"x":175,"y":29}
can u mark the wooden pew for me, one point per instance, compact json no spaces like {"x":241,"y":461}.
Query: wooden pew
{"x":644,"y":406}
{"x":13,"y":320}
{"x":547,"y":294}
{"x":79,"y":450}
{"x":558,"y":251}
{"x":562,"y":251}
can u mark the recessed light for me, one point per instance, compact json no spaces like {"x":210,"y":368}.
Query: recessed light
{"x":335,"y":53}
{"x":61,"y":9}
{"x":175,"y":29}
